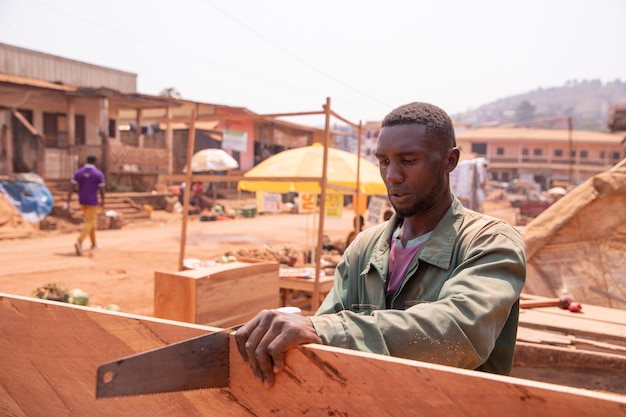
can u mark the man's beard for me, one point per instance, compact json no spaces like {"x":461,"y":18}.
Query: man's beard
{"x":424,"y":204}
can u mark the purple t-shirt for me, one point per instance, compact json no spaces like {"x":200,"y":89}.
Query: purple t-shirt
{"x":400,"y":258}
{"x":89,"y":179}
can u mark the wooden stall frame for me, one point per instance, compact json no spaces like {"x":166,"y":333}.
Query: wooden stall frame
{"x":327,"y":112}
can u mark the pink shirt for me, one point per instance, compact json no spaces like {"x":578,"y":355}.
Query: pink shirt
{"x":400,"y":258}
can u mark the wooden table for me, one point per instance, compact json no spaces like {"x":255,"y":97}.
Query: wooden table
{"x":289,"y":283}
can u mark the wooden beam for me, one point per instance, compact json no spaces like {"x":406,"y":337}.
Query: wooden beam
{"x":33,"y":131}
{"x":213,"y":117}
{"x":315,"y":299}
{"x":51,"y":350}
{"x":346,"y":121}
{"x":191,"y":140}
{"x":232,"y":178}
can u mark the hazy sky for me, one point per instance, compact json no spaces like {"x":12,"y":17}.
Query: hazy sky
{"x":276,"y":56}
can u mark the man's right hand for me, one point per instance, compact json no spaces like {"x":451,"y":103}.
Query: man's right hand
{"x":263,"y":341}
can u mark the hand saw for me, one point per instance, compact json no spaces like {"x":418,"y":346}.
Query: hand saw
{"x":196,"y":363}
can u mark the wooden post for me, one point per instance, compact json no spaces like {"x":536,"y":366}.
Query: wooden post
{"x":571,"y":149}
{"x":138,"y":133}
{"x":6,"y":143}
{"x":169,"y":140}
{"x":357,"y":203}
{"x":315,"y":302}
{"x":71,"y":124}
{"x":190,"y":146}
{"x":104,"y":134}
{"x":214,"y":189}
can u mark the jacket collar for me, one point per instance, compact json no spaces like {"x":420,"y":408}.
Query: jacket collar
{"x":438,"y":248}
{"x":436,"y":251}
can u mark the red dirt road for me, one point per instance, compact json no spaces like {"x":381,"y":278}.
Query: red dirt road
{"x":122,"y":272}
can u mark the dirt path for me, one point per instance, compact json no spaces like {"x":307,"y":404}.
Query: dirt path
{"x":122,"y":272}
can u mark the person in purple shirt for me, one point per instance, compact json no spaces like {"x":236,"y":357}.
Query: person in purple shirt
{"x":88,"y":182}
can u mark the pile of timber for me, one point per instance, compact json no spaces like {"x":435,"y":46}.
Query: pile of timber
{"x":585,"y":349}
{"x":51,"y":351}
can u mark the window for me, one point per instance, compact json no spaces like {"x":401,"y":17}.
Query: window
{"x":572,"y":154}
{"x":537,"y":152}
{"x":525,"y":151}
{"x":601,"y":155}
{"x":584,"y":154}
{"x":81,"y":129}
{"x":558,"y":153}
{"x":479,"y":148}
{"x":500,"y":151}
{"x":55,"y":130}
{"x":615,"y":155}
{"x":112,"y":126}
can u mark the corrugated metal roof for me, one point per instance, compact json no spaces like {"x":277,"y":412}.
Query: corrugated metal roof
{"x":43,"y":66}
{"x":116,"y":98}
{"x":121,"y":100}
{"x":31,"y":82}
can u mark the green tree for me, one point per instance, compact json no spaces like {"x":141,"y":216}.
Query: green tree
{"x":524,"y":112}
{"x":170,"y":92}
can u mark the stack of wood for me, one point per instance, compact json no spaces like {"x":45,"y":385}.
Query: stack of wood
{"x":286,"y":255}
{"x":571,"y":344}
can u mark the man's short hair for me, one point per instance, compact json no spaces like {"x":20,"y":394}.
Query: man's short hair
{"x":438,"y":123}
{"x":91,"y":159}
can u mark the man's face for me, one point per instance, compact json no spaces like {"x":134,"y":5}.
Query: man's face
{"x":414,"y":169}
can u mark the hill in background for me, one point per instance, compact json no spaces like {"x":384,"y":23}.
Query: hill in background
{"x":588,"y":103}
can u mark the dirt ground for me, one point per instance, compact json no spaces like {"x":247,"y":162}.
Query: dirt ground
{"x":122,"y":271}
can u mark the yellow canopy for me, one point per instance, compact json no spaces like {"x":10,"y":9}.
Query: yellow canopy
{"x":297,"y":170}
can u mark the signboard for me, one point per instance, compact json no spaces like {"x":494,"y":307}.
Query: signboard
{"x":375,"y":210}
{"x":334,"y":205}
{"x":268,"y":202}
{"x":233,"y":140}
{"x":307,"y":202}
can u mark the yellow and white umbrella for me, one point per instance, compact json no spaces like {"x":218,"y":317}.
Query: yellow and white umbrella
{"x":212,"y":159}
{"x":299,"y":170}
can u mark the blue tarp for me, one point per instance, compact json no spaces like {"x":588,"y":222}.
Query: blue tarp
{"x":29,"y":195}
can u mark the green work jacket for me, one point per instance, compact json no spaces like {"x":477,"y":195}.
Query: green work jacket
{"x":457,"y":305}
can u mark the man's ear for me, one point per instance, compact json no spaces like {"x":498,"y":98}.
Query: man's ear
{"x":452,"y":159}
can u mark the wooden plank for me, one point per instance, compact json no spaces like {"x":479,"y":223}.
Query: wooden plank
{"x":51,"y":352}
{"x":239,"y":295}
{"x":322,"y":380}
{"x":601,"y":323}
{"x":300,"y":284}
{"x":571,"y":366}
{"x":174,"y":297}
{"x":531,"y":354}
{"x":538,"y":336}
{"x":592,"y":312}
